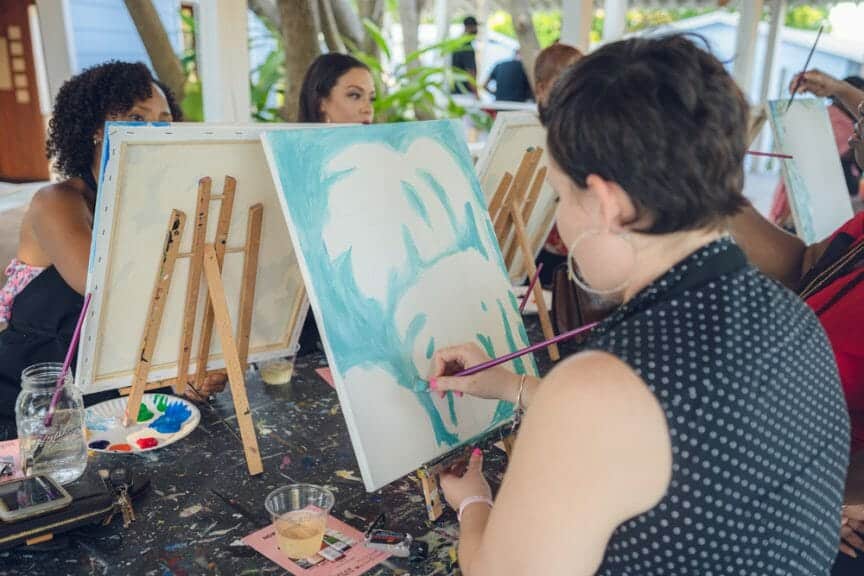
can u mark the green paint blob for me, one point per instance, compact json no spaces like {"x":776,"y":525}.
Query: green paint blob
{"x":144,"y":413}
{"x":161,"y":403}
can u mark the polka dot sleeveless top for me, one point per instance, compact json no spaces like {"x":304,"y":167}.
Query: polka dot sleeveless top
{"x":757,"y":421}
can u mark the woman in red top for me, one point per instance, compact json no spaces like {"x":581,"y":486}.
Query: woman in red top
{"x":829,"y":275}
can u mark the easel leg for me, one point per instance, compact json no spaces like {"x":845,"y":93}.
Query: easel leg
{"x":154,"y":314}
{"x":202,"y":211}
{"x":220,"y":242}
{"x":232,"y":361}
{"x":247,"y":290}
{"x":542,"y":310}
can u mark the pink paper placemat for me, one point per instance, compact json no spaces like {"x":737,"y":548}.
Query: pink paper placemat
{"x":9,"y":454}
{"x":326,"y":375}
{"x":342,"y":552}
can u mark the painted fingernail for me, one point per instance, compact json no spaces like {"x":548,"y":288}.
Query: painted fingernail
{"x":441,"y":395}
{"x":477,"y":452}
{"x":433,"y":384}
{"x":460,"y":394}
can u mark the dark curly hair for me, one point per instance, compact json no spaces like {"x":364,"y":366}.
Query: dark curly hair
{"x":85,"y":101}
{"x":661,"y":118}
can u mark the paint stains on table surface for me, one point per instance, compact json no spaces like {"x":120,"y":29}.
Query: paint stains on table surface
{"x":182,"y":528}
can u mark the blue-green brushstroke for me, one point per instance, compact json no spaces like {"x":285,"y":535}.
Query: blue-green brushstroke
{"x":430,"y":349}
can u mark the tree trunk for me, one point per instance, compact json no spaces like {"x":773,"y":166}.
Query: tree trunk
{"x":409,"y":17}
{"x":300,"y":39}
{"x":524,"y":26}
{"x":165,"y":62}
{"x":374,"y":11}
{"x":329,"y":27}
{"x":267,"y":12}
{"x":348,"y":22}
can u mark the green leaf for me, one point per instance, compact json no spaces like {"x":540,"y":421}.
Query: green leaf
{"x":377,"y":37}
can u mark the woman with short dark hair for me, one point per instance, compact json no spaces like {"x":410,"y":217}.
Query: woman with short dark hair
{"x":703,"y":429}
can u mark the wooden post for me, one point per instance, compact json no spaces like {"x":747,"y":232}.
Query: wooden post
{"x":216,"y":290}
{"x":542,"y":311}
{"x":250,"y":275}
{"x":202,"y":212}
{"x":220,"y":241}
{"x":154,"y":314}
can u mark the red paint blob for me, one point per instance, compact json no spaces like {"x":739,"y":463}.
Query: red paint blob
{"x":145,"y":443}
{"x":120,"y":448}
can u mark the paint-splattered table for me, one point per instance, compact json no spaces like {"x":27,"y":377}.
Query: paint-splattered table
{"x":183,"y":528}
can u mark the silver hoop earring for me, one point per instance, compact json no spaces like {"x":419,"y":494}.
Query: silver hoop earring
{"x":574,"y":277}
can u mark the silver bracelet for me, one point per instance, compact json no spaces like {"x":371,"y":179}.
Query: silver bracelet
{"x":519,"y":407}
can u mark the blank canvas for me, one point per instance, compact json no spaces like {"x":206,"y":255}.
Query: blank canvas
{"x":400,"y":259}
{"x":514,"y":133}
{"x":147,"y":172}
{"x":814,"y":177}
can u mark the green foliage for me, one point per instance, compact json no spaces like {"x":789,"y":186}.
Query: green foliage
{"x":193,"y":102}
{"x":547,"y":25}
{"x":410,"y":90}
{"x":269,"y":79}
{"x":806,"y":17}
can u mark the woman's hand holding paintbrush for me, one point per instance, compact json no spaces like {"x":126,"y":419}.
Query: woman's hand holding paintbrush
{"x":496,"y":383}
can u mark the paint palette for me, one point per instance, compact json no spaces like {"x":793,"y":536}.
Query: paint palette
{"x":162,"y":420}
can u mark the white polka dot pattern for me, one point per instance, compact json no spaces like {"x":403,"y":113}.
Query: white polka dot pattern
{"x":758,"y":424}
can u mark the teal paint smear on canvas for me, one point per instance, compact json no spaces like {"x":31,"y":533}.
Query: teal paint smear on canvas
{"x":430,"y":349}
{"x":300,"y":158}
{"x":416,"y":202}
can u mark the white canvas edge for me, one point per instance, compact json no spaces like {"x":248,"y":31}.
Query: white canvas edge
{"x":503,"y":121}
{"x":116,"y":136}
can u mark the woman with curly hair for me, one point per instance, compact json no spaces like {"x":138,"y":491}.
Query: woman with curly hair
{"x":42,"y":297}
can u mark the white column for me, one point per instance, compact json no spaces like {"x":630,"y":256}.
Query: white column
{"x":745,"y":45}
{"x":441,"y":20}
{"x":576,"y":23}
{"x":58,"y":45}
{"x":223,"y":60}
{"x":615,"y":22}
{"x":778,"y":17}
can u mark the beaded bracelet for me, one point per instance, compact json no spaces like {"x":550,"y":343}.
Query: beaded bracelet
{"x":469,"y":501}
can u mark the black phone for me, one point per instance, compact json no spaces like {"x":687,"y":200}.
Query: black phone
{"x":30,"y":497}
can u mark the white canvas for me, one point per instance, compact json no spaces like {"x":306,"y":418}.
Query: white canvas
{"x":148,"y":171}
{"x":814,"y":177}
{"x":400,"y":259}
{"x":513,"y":133}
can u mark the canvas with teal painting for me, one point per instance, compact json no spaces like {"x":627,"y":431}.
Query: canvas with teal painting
{"x":399,"y":258}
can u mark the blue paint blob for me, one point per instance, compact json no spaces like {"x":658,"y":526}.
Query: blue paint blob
{"x":99,"y":445}
{"x":170,"y":422}
{"x":451,"y":404}
{"x":484,"y":307}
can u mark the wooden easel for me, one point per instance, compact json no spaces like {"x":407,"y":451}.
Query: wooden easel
{"x":206,"y":258}
{"x":510,"y":208}
{"x":430,"y":474}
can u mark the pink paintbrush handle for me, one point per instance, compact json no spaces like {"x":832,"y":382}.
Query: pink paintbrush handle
{"x":533,"y":348}
{"x":73,"y":345}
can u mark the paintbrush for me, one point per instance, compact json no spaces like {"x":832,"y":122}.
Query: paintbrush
{"x":530,"y":288}
{"x":58,"y":387}
{"x":806,"y":64}
{"x":770,"y":154}
{"x":533,"y":348}
{"x":239,"y":508}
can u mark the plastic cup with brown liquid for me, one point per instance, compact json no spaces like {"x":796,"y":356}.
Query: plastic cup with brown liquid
{"x":300,"y":513}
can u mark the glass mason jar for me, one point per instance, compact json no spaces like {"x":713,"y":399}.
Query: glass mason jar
{"x":59,"y":451}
